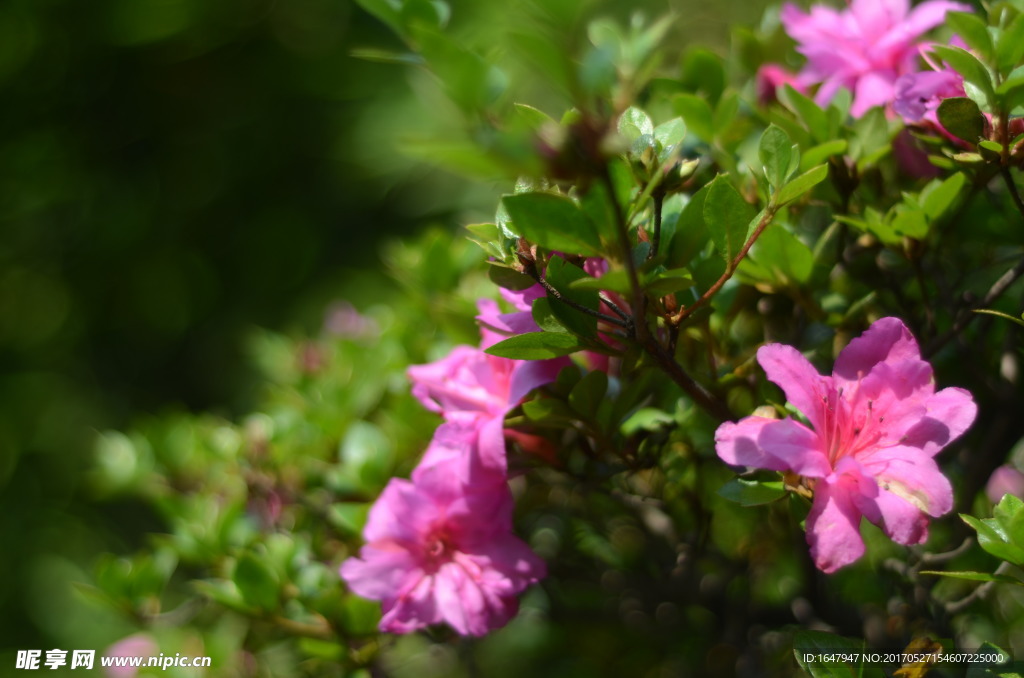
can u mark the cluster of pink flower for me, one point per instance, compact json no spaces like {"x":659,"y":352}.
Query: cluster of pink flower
{"x":871,"y":49}
{"x":440,"y":547}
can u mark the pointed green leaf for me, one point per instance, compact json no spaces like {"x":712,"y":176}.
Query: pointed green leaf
{"x":1010,"y":46}
{"x":691,"y":233}
{"x":775,"y":152}
{"x":727,"y":216}
{"x":697,"y":114}
{"x":553,"y":222}
{"x":536,"y":346}
{"x":977,"y":80}
{"x":807,"y":112}
{"x":257,"y":582}
{"x":561,"y":274}
{"x":972,"y":30}
{"x":962,"y":118}
{"x":938,"y":195}
{"x":822,"y":152}
{"x":587,"y":395}
{"x":752,"y":492}
{"x":801,"y":184}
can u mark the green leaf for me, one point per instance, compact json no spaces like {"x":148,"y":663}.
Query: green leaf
{"x":1019,"y":321}
{"x":553,"y":222}
{"x":962,"y":118}
{"x":822,"y":152}
{"x":972,"y":30}
{"x":669,"y":282}
{"x":977,"y":80}
{"x":871,"y":138}
{"x":670,"y":134}
{"x":696,"y":113}
{"x":703,"y":72}
{"x":775,"y":152}
{"x":533,"y":117}
{"x":587,"y":395}
{"x":636,"y":128}
{"x":752,"y":492}
{"x":548,"y":411}
{"x":257,"y":582}
{"x":807,"y":112}
{"x":349,"y":517}
{"x":691,"y":233}
{"x":974,"y":576}
{"x":725,"y":112}
{"x":536,"y":346}
{"x":727,"y":216}
{"x":1010,"y":45}
{"x":779,"y":256}
{"x":801,"y":184}
{"x":508,"y":278}
{"x":612,"y":281}
{"x":545,"y":317}
{"x":385,"y":10}
{"x":938,"y":195}
{"x":992,"y":537}
{"x":561,"y":274}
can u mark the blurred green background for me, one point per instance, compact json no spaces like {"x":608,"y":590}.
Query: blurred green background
{"x":175,"y":173}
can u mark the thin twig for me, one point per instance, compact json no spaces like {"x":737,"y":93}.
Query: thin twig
{"x":1012,"y":186}
{"x":958,"y":606}
{"x":998,"y":287}
{"x":686,"y":311}
{"x":530,"y":269}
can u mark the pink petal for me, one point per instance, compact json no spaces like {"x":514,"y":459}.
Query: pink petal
{"x":463,"y":453}
{"x":413,"y":610}
{"x":833,"y":525}
{"x":875,"y":88}
{"x":773,"y":444}
{"x":379,"y":572}
{"x":509,"y":563}
{"x":921,"y":19}
{"x":912,"y":475}
{"x":874,"y":17}
{"x":530,"y":374}
{"x":886,"y":339}
{"x":401,"y":513}
{"x":901,"y":520}
{"x":458,"y":600}
{"x":948,"y":414}
{"x":803,"y":386}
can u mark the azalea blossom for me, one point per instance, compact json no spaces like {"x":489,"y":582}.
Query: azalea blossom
{"x":864,"y":48}
{"x":439,"y":550}
{"x":474,"y":391}
{"x":875,"y":425}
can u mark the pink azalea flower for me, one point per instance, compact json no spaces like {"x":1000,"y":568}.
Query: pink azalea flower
{"x":864,"y":48}
{"x":1004,"y":480}
{"x":474,"y":391}
{"x":438,"y":550}
{"x":918,"y":95}
{"x":875,"y":425}
{"x":495,"y":325}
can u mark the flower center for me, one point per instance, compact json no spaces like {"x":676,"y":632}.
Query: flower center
{"x":437,"y":548}
{"x":850,"y":425}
